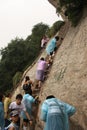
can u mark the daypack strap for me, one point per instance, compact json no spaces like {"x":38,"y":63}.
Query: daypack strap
{"x":12,"y":124}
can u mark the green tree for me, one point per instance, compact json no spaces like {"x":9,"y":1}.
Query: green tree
{"x":73,"y":9}
{"x":55,"y":28}
{"x":18,"y":55}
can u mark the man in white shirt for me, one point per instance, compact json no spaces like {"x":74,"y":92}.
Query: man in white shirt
{"x":19,"y":106}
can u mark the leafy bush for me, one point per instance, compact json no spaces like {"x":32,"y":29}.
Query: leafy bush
{"x":73,"y":9}
{"x":16,"y":78}
{"x":55,"y":28}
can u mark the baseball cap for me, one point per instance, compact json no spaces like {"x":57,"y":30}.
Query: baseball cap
{"x":14,"y":113}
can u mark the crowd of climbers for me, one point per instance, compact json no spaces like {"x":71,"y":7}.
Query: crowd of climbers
{"x":17,"y":115}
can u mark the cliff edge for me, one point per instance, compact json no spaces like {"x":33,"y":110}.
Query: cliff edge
{"x":67,"y":79}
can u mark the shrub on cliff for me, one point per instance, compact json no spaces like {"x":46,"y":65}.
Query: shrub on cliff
{"x":73,"y":9}
{"x":55,"y":28}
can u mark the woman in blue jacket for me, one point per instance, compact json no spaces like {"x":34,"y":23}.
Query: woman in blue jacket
{"x":55,"y":114}
{"x":51,"y":47}
{"x":2,"y":121}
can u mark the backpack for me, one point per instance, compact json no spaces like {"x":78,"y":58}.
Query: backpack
{"x":27,"y":87}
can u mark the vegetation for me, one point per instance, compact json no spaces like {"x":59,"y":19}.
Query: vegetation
{"x":55,"y":28}
{"x":73,"y":9}
{"x":20,"y":53}
{"x":16,"y":78}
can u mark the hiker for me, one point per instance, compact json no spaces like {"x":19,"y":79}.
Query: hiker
{"x":52,"y":46}
{"x":28,"y":100}
{"x":55,"y":113}
{"x":41,"y":67}
{"x":19,"y":106}
{"x":14,"y":119}
{"x":44,"y":41}
{"x":28,"y":83}
{"x":2,"y":121}
{"x":7,"y":102}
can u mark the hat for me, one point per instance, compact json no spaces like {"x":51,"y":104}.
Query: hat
{"x":14,"y":113}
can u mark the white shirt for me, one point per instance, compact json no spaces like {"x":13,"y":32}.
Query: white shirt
{"x":19,"y":108}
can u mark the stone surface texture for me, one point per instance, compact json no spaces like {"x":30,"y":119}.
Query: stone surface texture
{"x":67,"y":79}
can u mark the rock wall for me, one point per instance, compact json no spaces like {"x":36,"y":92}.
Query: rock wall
{"x":68,"y":76}
{"x":67,"y":79}
{"x":55,"y":3}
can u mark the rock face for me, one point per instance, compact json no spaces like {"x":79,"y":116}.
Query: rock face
{"x":68,"y":77}
{"x":55,"y":3}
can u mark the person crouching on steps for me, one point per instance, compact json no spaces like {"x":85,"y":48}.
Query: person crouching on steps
{"x":28,"y":83}
{"x":19,"y":106}
{"x":41,"y":67}
{"x":56,"y":113}
{"x":14,"y":119}
{"x":28,"y":100}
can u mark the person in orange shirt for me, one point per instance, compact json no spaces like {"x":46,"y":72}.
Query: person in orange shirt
{"x":7,"y":102}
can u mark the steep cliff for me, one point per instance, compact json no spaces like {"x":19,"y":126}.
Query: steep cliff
{"x":68,"y":76}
